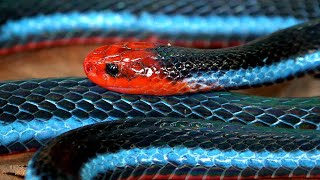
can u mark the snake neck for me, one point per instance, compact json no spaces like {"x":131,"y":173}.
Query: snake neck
{"x":282,"y":55}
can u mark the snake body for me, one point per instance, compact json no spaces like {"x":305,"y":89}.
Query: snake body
{"x":169,"y":148}
{"x":176,"y":137}
{"x":148,"y":68}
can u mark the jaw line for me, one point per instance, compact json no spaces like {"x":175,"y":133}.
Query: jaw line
{"x":122,"y":89}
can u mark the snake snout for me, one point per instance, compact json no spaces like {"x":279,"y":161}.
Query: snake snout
{"x":89,"y":68}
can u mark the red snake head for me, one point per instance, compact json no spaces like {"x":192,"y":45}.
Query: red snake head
{"x":130,"y":68}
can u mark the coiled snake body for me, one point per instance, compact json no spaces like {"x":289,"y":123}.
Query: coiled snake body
{"x":163,"y":137}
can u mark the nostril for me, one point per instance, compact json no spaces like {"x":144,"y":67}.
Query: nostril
{"x":89,"y":68}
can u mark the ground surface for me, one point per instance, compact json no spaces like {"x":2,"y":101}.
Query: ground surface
{"x":67,"y":61}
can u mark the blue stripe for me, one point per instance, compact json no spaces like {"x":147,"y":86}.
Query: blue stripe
{"x":156,"y":23}
{"x":194,"y":157}
{"x":258,"y":75}
{"x":39,"y":130}
{"x":31,"y":173}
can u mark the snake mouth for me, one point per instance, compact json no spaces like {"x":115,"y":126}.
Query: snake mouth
{"x":114,"y":88}
{"x":129,"y":90}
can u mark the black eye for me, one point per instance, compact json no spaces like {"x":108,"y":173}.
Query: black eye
{"x":112,"y":69}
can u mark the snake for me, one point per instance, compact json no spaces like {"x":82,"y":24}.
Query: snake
{"x":152,"y":110}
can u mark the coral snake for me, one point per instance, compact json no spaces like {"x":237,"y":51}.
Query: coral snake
{"x":152,"y":110}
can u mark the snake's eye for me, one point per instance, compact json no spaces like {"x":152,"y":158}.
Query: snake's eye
{"x":112,"y":69}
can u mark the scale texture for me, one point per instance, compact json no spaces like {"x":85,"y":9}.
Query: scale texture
{"x":155,"y":69}
{"x":187,"y":23}
{"x":36,"y":110}
{"x":189,"y":136}
{"x":130,"y":147}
